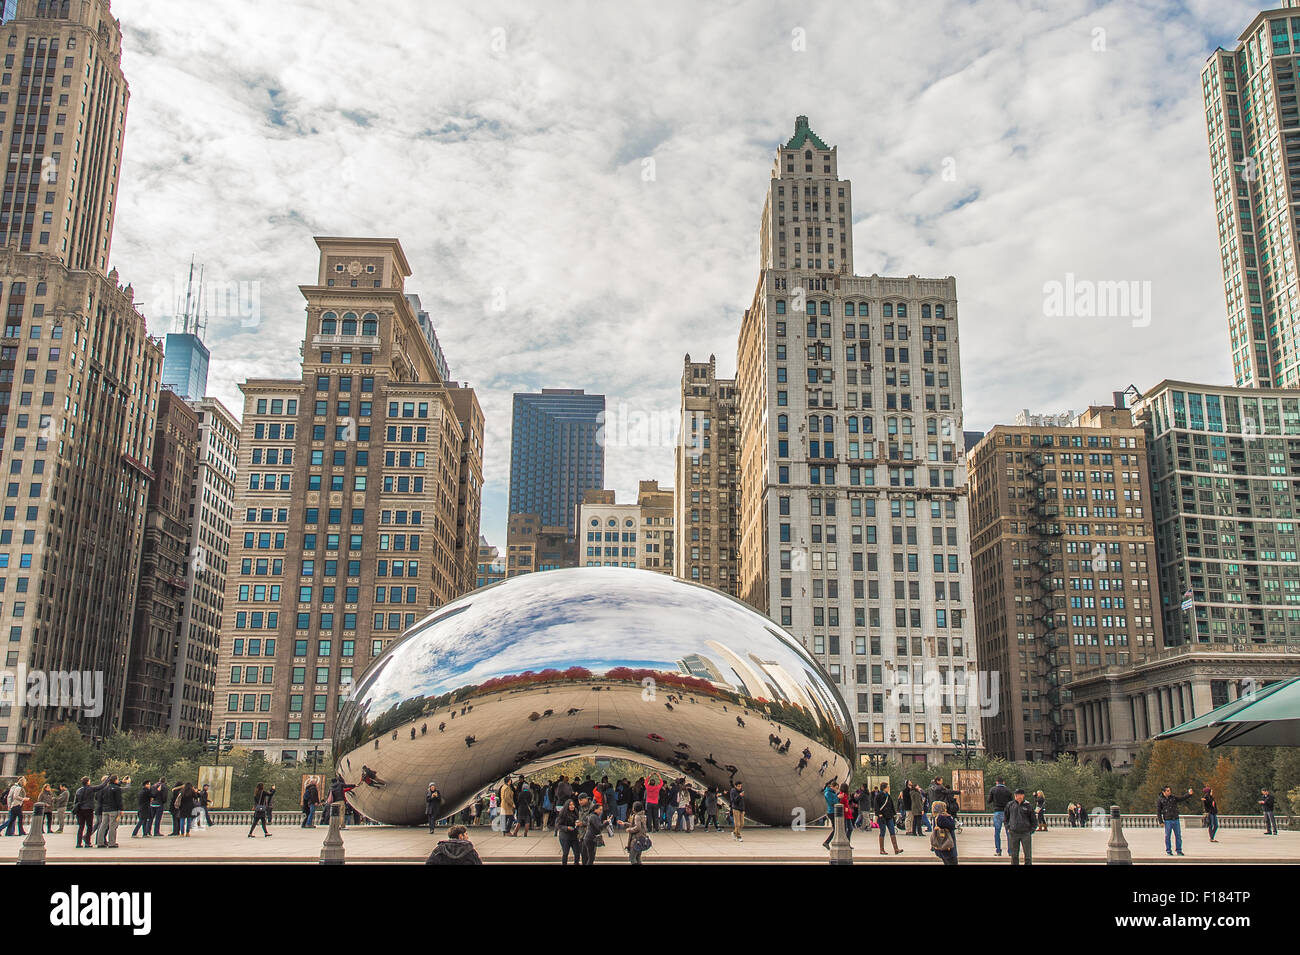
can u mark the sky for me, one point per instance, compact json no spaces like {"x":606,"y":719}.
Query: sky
{"x":578,"y":186}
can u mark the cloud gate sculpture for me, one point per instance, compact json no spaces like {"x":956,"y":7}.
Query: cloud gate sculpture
{"x":550,"y":666}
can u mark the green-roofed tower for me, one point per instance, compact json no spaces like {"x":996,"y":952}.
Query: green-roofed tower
{"x":808,"y":218}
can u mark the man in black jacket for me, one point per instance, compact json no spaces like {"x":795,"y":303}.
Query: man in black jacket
{"x":83,"y":804}
{"x":455,"y":850}
{"x":1167,"y":812}
{"x":143,"y":814}
{"x":1022,"y":820}
{"x":110,"y":807}
{"x":589,"y":832}
{"x":999,"y":797}
{"x":1270,"y":820}
{"x":737,"y":800}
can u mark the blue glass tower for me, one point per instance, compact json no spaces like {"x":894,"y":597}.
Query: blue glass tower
{"x":555,"y":455}
{"x":185,"y":365}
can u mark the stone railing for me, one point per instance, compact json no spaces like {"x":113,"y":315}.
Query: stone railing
{"x":219,"y":817}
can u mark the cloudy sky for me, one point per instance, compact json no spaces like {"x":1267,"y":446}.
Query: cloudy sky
{"x":578,"y":185}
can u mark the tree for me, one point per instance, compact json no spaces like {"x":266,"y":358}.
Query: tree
{"x":1286,"y":777}
{"x":1182,"y":766}
{"x":1252,"y":771}
{"x":64,"y":756}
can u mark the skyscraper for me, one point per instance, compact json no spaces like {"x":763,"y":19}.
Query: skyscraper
{"x":63,"y":98}
{"x":1225,"y":476}
{"x":707,"y":491}
{"x":357,"y":510}
{"x":185,"y":365}
{"x":78,"y":371}
{"x":1063,"y":557}
{"x":853,"y":514}
{"x":556,"y":453}
{"x":164,"y":568}
{"x":1250,"y":115}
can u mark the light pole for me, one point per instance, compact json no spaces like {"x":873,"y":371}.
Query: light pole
{"x":964,"y":747}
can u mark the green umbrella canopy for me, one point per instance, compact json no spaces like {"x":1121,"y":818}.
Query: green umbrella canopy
{"x":1270,"y":716}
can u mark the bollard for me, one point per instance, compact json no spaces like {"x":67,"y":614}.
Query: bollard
{"x":331,"y":852}
{"x":841,"y":848}
{"x":32,"y":851}
{"x":1117,"y":851}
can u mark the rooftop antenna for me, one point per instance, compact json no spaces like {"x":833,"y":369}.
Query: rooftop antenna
{"x":193,"y":315}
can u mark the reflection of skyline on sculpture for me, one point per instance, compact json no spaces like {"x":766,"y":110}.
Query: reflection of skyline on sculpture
{"x":606,"y":659}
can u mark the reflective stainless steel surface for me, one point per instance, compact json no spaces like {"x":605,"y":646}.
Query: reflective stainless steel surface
{"x":593,"y":661}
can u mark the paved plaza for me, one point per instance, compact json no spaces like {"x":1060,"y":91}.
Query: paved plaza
{"x":382,"y":844}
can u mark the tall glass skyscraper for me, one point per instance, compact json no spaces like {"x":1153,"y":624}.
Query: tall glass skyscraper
{"x":555,"y":454}
{"x":185,"y":365}
{"x":1252,"y":116}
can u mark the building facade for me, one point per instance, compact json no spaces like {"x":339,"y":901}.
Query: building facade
{"x":1064,"y":569}
{"x":350,"y":522}
{"x":533,"y":546}
{"x":707,"y":492}
{"x":64,"y":98}
{"x":556,"y":453}
{"x":1120,"y":708}
{"x":78,"y":405}
{"x":607,"y":532}
{"x":658,"y":530}
{"x":1249,"y":95}
{"x":164,"y":563}
{"x":1225,"y":479}
{"x":853,"y":512}
{"x":211,"y":520}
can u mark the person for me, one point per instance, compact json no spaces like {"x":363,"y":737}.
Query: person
{"x":1211,"y":810}
{"x":1167,"y":812}
{"x":1040,"y":806}
{"x":202,"y":799}
{"x":456,"y":849}
{"x":710,"y":813}
{"x":566,"y":830}
{"x":339,"y":796}
{"x":1269,"y":802}
{"x":143,"y":812}
{"x":1021,"y":822}
{"x":17,"y":795}
{"x":185,"y":801}
{"x":999,"y":797}
{"x":83,"y":805}
{"x":916,"y":803}
{"x":46,"y":799}
{"x":506,"y":802}
{"x":653,"y":787}
{"x":938,"y":792}
{"x":737,"y":799}
{"x":590,"y":827}
{"x":156,"y":805}
{"x":943,"y":836}
{"x":883,"y":805}
{"x":261,"y":809}
{"x":638,"y":833}
{"x":432,"y":806}
{"x":523,"y":809}
{"x":110,"y":795}
{"x":310,"y":799}
{"x":832,"y":799}
{"x":61,"y":805}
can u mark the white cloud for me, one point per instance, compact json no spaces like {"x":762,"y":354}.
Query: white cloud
{"x":521,"y":169}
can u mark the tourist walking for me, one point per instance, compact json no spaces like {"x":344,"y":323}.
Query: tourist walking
{"x":1022,"y":822}
{"x":83,"y":805}
{"x":737,"y":799}
{"x":1040,"y":805}
{"x":310,"y":799}
{"x":506,"y":802}
{"x":1210,"y":808}
{"x":832,"y":799}
{"x":1167,"y":812}
{"x":999,"y":797}
{"x":943,"y":836}
{"x":638,"y":832}
{"x":14,"y":800}
{"x":1270,"y":821}
{"x":710,"y":805}
{"x":456,"y":849}
{"x":883,"y":806}
{"x":261,"y":809}
{"x":61,"y":805}
{"x":46,"y":799}
{"x":185,"y":802}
